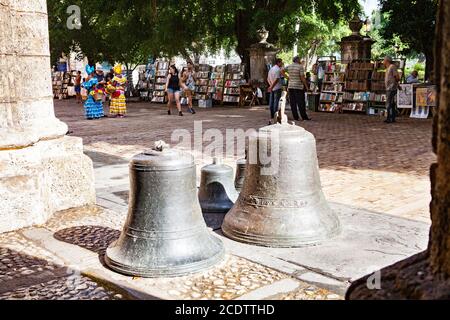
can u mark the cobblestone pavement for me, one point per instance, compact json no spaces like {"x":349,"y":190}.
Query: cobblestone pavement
{"x":29,"y":271}
{"x":364,"y":162}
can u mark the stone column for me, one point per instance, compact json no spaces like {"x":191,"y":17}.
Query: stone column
{"x":41,"y":169}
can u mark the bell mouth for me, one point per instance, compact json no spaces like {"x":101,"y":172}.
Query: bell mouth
{"x":164,"y":270}
{"x":281,"y":241}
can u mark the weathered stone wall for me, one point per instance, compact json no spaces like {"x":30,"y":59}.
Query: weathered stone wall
{"x":41,"y":170}
{"x":440,"y":206}
{"x":26,"y":105}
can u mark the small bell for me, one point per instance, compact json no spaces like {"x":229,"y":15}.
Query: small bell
{"x":217,"y":193}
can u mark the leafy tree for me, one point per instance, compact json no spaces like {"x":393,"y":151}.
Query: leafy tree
{"x":125,"y":31}
{"x":414,"y":23}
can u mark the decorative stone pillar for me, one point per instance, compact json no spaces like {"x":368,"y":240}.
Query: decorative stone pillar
{"x":262,"y":54}
{"x":41,"y":169}
{"x":355,"y":46}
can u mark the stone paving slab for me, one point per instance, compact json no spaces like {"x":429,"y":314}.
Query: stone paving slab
{"x":368,"y":242}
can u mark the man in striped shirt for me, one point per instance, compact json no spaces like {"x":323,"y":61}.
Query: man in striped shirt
{"x":297,"y":86}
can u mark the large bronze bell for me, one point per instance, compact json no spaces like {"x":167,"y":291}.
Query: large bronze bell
{"x":240,"y":174}
{"x":164,"y":234}
{"x":217,"y":193}
{"x":286,"y":208}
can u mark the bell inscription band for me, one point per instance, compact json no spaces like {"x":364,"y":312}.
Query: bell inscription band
{"x":217,"y":193}
{"x":164,"y":234}
{"x":286,"y":208}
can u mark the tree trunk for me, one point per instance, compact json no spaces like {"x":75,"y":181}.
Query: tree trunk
{"x":440,"y":206}
{"x":429,"y":64}
{"x":242,"y":25}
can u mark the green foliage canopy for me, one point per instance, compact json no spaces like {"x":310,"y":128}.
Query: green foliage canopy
{"x":128,"y":31}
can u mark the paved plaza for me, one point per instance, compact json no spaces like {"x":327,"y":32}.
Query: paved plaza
{"x":374,"y":175}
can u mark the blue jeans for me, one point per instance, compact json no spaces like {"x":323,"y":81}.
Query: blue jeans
{"x":274,"y":100}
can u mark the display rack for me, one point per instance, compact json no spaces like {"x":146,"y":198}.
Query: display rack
{"x":145,"y":86}
{"x":357,"y":86}
{"x":377,"y":98}
{"x":202,"y":82}
{"x":331,"y":96}
{"x":60,"y":84}
{"x":57,"y":80}
{"x":234,"y":78}
{"x":162,"y":71}
{"x":216,"y":83}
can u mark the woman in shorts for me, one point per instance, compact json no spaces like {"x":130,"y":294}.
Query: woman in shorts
{"x":173,"y":89}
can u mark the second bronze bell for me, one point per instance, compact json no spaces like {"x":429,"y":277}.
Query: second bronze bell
{"x":281,"y":203}
{"x":217,"y":193}
{"x":164,"y":234}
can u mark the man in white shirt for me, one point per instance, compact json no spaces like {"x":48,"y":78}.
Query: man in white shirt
{"x":275,"y":86}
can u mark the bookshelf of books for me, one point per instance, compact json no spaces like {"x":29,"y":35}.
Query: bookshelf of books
{"x":202,"y":82}
{"x":161,"y":73}
{"x":60,"y":84}
{"x":216,"y":83}
{"x":357,"y":86}
{"x":378,"y":89}
{"x":57,"y":79}
{"x":331,"y":96}
{"x":234,"y":78}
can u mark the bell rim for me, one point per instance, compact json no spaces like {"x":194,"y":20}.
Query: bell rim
{"x":165,"y":271}
{"x":278,"y":241}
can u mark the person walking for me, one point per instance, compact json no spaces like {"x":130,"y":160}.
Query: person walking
{"x":173,"y":89}
{"x":188,"y":84}
{"x":275,"y":87}
{"x":296,"y":88}
{"x":78,"y":87}
{"x":391,"y":81}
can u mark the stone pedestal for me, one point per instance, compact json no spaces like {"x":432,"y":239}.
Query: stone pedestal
{"x":262,"y":54}
{"x":41,"y":170}
{"x":355,"y":46}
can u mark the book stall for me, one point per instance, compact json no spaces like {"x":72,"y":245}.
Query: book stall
{"x":234,"y":78}
{"x":354,"y":87}
{"x":161,"y":73}
{"x":63,"y":84}
{"x":202,"y":86}
{"x":332,"y":94}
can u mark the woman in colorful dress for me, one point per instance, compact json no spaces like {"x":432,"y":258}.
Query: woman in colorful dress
{"x":118,"y":106}
{"x":93,"y":107}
